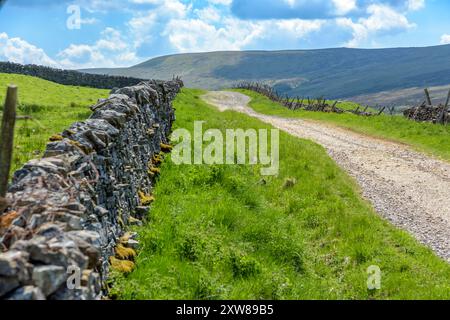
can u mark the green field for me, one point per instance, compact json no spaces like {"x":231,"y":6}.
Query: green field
{"x":226,"y":232}
{"x":52,"y":107}
{"x":430,"y":138}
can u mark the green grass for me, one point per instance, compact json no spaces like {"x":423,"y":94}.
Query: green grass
{"x":225,"y":232}
{"x":430,"y":138}
{"x":53,"y":107}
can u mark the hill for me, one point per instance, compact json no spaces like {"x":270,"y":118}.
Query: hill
{"x":333,"y":73}
{"x":51,"y":107}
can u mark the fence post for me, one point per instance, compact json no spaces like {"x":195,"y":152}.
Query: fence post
{"x":427,"y":95}
{"x":442,"y":115}
{"x":6,"y":142}
{"x":381,"y":110}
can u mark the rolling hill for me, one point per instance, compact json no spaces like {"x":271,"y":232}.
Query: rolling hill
{"x":333,"y":73}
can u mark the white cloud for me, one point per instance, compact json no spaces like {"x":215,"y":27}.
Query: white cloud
{"x":385,"y":18}
{"x":381,"y":19}
{"x":197,"y":35}
{"x":445,"y":39}
{"x":208,"y":14}
{"x":187,"y":35}
{"x":344,"y":6}
{"x":146,"y":25}
{"x":298,"y":28}
{"x":414,"y":5}
{"x":20,"y":51}
{"x":111,"y":50}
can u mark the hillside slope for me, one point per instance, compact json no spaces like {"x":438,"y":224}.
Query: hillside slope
{"x":334,"y":73}
{"x":52,"y":107}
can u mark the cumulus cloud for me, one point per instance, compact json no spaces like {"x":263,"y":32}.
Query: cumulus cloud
{"x":111,"y":50}
{"x":344,"y":6}
{"x":445,"y":39}
{"x":415,"y":4}
{"x":144,"y":23}
{"x":381,"y":19}
{"x":187,"y":35}
{"x":197,"y":35}
{"x":20,"y":51}
{"x":208,"y":14}
{"x":296,"y":28}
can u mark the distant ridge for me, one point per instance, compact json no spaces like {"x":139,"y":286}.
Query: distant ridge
{"x":333,"y":73}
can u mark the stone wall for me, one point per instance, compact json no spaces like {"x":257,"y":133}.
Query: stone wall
{"x":68,"y":209}
{"x":69,"y":77}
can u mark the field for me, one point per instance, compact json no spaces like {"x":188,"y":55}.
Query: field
{"x":225,"y":232}
{"x":427,"y":137}
{"x":52,"y":108}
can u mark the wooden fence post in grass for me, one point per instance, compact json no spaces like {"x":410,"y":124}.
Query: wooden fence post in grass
{"x":381,"y":111}
{"x":6,"y":142}
{"x":442,"y":115}
{"x":427,"y":95}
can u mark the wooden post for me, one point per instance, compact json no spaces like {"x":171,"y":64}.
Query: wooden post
{"x":6,"y":142}
{"x":391,"y":110}
{"x":381,"y":111}
{"x":427,"y":95}
{"x":441,"y":118}
{"x":333,"y":108}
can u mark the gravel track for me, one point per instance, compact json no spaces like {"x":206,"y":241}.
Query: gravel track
{"x":408,"y":188}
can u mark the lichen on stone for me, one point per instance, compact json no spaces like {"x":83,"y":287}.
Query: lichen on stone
{"x":167,"y":148}
{"x":157,"y":159}
{"x":145,"y":199}
{"x":56,"y":137}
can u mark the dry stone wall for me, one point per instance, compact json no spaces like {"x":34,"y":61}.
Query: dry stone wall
{"x":68,"y":209}
{"x":69,"y":77}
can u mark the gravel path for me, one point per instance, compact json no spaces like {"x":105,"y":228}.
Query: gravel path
{"x":408,"y":188}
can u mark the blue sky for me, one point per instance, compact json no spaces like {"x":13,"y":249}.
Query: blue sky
{"x":114,"y":33}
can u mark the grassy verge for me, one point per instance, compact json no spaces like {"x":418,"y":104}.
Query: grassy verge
{"x":430,"y":138}
{"x":222,"y":232}
{"x":52,"y":107}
